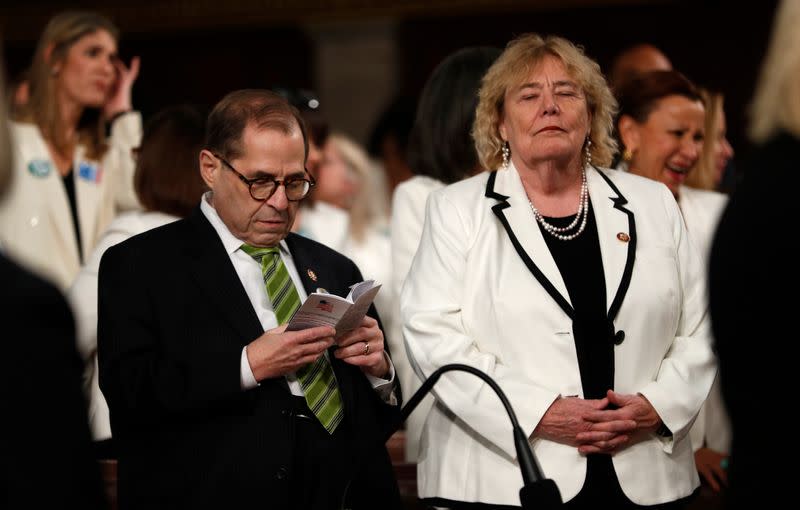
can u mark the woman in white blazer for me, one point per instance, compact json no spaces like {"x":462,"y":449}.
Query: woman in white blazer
{"x":668,"y":135}
{"x":69,"y":178}
{"x":573,"y":286}
{"x":168,"y":185}
{"x":441,"y":152}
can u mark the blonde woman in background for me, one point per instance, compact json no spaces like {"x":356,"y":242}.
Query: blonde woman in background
{"x":717,"y":151}
{"x":345,"y":181}
{"x":69,"y":179}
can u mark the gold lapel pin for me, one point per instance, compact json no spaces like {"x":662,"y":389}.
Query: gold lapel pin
{"x":312,"y":275}
{"x":622,"y":236}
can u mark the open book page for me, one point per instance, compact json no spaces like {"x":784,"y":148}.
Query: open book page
{"x":363,"y":298}
{"x":344,"y":314}
{"x":360,"y":288}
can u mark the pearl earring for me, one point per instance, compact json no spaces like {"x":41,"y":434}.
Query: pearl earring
{"x":588,"y":151}
{"x":506,"y":155}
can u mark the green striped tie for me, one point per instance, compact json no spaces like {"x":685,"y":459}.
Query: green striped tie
{"x":316,"y":379}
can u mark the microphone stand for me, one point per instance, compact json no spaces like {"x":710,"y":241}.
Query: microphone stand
{"x":537,"y":491}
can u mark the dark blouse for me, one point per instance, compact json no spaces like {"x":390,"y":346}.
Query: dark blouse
{"x":581,"y":266}
{"x":69,"y":186}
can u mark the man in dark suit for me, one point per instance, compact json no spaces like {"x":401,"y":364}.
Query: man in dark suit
{"x":212,"y":402}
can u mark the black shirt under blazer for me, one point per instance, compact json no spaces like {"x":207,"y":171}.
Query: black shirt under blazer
{"x":173,"y":319}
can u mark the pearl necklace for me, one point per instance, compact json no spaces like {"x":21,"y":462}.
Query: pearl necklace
{"x":582,"y":215}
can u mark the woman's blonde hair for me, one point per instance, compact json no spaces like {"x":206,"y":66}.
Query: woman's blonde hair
{"x":776,"y":103}
{"x":702,"y":175}
{"x":367,"y":203}
{"x":519,"y":59}
{"x":42,"y":109}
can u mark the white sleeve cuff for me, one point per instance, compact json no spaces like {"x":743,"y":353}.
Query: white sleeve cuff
{"x":246,"y":377}
{"x":385,"y":387}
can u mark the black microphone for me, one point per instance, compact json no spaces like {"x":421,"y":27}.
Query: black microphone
{"x":537,"y":491}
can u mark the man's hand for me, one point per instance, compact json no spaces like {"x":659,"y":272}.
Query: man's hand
{"x":119,"y":99}
{"x":278,"y":352}
{"x":709,"y":465}
{"x":363,"y":347}
{"x":632,"y":409}
{"x":566,"y":422}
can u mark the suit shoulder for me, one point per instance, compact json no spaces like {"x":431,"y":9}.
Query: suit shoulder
{"x":633,"y":183}
{"x":467,"y":190}
{"x":642,"y":193}
{"x":156,"y":242}
{"x":712,"y":198}
{"x":419,"y":184}
{"x":319,"y":250}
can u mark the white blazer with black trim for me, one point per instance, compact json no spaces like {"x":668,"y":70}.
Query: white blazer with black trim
{"x":484,"y":290}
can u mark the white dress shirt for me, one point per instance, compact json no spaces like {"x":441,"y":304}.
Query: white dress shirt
{"x":249,"y":272}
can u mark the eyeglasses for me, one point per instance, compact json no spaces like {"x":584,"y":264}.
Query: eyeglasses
{"x":264,"y":187}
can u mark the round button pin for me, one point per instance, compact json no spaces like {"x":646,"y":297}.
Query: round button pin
{"x":622,"y":236}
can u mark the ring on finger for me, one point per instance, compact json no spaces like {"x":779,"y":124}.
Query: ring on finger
{"x":366,"y":348}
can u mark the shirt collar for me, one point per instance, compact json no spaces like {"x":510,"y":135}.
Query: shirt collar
{"x":229,"y":241}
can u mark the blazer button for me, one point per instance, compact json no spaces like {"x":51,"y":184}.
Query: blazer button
{"x":281,"y":474}
{"x":619,"y":337}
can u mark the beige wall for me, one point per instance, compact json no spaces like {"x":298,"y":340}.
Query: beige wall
{"x":355,"y":72}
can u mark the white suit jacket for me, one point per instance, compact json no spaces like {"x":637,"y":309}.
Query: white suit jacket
{"x":484,"y":290}
{"x":36,"y":227}
{"x":408,"y":217}
{"x":701,"y":211}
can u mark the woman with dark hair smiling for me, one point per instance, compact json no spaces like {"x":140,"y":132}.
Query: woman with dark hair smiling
{"x":661,"y":127}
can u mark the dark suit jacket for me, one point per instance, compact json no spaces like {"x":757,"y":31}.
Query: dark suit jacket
{"x":173,"y":319}
{"x":46,"y":456}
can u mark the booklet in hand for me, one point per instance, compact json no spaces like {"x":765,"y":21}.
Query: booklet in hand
{"x":344,"y":314}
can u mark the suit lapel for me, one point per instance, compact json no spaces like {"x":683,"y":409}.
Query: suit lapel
{"x":616,"y":231}
{"x":311,"y":273}
{"x":214,"y":273}
{"x":514,"y":213}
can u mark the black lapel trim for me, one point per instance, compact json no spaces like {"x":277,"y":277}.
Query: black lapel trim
{"x":497,"y":209}
{"x":622,"y":290}
{"x":214,"y":273}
